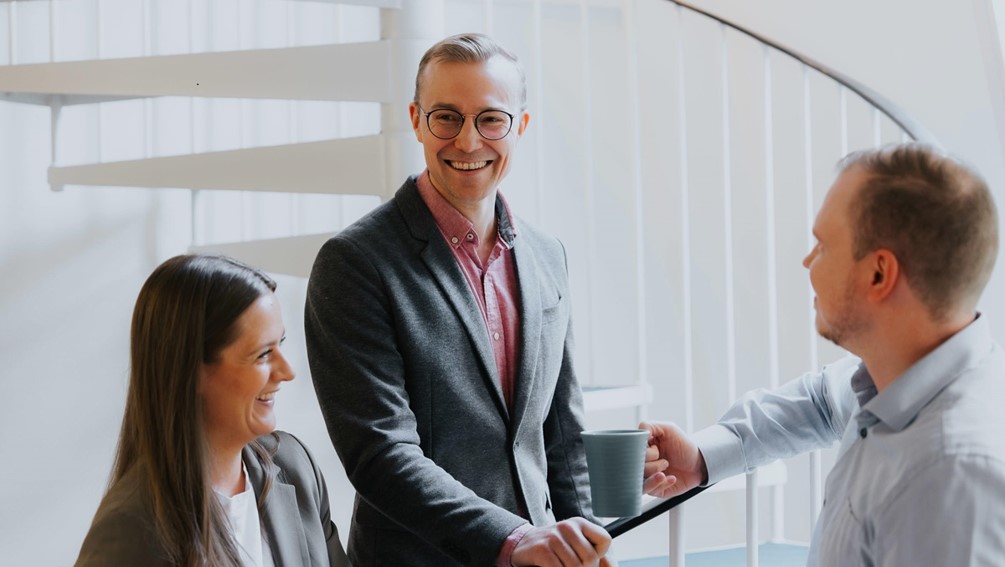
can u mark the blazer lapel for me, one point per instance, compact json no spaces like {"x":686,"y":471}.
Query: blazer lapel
{"x":443,"y":266}
{"x":530,"y":323}
{"x":282,"y":523}
{"x":281,"y":518}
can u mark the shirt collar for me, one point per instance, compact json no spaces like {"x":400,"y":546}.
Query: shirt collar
{"x":905,"y":397}
{"x":455,"y":226}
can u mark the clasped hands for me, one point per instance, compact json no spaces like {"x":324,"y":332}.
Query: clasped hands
{"x":569,"y":543}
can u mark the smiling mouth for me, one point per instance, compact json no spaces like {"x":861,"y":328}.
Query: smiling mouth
{"x":271,"y":396}
{"x":468,"y":165}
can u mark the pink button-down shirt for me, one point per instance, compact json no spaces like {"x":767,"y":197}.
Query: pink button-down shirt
{"x":496,"y":290}
{"x":494,"y":284}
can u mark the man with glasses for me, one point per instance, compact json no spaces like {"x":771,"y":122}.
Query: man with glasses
{"x":439,"y":336}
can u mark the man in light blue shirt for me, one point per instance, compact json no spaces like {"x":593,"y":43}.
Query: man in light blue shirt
{"x":906,"y":241}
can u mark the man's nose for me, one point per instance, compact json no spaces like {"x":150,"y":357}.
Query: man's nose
{"x":468,"y":139}
{"x":809,"y":258}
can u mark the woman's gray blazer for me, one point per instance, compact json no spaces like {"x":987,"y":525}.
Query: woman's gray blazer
{"x":296,"y":519}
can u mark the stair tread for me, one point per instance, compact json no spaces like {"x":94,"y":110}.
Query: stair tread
{"x":352,"y":72}
{"x":346,"y":166}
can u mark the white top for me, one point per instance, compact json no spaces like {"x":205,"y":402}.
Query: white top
{"x":246,"y":526}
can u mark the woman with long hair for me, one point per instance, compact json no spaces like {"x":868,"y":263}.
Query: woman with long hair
{"x":201,"y":478}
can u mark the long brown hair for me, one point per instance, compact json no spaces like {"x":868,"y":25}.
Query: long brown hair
{"x":184,"y":316}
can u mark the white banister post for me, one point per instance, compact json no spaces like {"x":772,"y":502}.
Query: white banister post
{"x":727,"y":218}
{"x":816,"y":488}
{"x":488,"y":8}
{"x":537,"y":102}
{"x":55,"y":101}
{"x":816,"y":497}
{"x":409,"y":30}
{"x":777,"y":492}
{"x":632,"y":51}
{"x":877,"y":127}
{"x":52,"y":30}
{"x":677,"y":514}
{"x":589,"y":194}
{"x":752,"y":535}
{"x":55,"y":111}
{"x":677,"y":537}
{"x":293,"y":113}
{"x":685,"y":232}
{"x":12,"y":33}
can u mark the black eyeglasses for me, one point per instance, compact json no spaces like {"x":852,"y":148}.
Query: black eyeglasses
{"x":446,"y":124}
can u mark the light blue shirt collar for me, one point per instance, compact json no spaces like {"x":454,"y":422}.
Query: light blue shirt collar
{"x":900,"y":402}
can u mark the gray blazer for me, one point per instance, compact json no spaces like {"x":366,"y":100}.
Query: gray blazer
{"x":404,"y":372}
{"x":296,"y":518}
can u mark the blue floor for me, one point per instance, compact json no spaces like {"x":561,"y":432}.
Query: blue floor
{"x":770,"y":555}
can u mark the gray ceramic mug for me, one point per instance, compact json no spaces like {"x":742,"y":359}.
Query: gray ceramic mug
{"x":615,"y":459}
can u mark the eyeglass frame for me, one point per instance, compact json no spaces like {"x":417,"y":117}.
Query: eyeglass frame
{"x":465,"y":117}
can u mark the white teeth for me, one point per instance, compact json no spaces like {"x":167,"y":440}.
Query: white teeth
{"x":267,"y":397}
{"x":468,"y":165}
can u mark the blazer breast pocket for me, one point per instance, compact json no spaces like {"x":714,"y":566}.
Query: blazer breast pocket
{"x":553,"y":312}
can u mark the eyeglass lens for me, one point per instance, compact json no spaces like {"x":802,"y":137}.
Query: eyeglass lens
{"x":491,"y":124}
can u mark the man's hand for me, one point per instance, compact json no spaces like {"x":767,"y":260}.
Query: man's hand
{"x":674,"y":464}
{"x":569,"y":543}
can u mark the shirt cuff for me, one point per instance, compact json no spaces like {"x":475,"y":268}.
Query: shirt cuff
{"x":506,"y":553}
{"x":722,"y":452}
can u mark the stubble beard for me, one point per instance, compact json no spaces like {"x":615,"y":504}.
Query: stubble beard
{"x":848,"y":323}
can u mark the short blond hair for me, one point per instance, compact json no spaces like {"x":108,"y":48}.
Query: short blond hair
{"x":469,"y":48}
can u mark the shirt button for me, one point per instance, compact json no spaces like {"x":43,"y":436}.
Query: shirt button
{"x":471,"y":236}
{"x":453,"y":239}
{"x":495,"y":336}
{"x":863,"y":432}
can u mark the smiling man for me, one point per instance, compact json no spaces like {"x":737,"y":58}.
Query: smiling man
{"x":439,"y":336}
{"x":906,"y":241}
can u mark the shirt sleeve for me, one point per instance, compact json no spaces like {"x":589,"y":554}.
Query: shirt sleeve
{"x":505,"y":558}
{"x":949,"y":513}
{"x":807,"y":413}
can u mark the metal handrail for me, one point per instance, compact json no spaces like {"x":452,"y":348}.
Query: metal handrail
{"x":894,"y":112}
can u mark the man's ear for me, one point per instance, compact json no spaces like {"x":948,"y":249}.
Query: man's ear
{"x":885,"y":271}
{"x":415,"y":115}
{"x":522,"y":122}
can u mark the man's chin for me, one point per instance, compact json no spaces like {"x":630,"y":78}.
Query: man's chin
{"x":827,"y":333}
{"x":832,"y":339}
